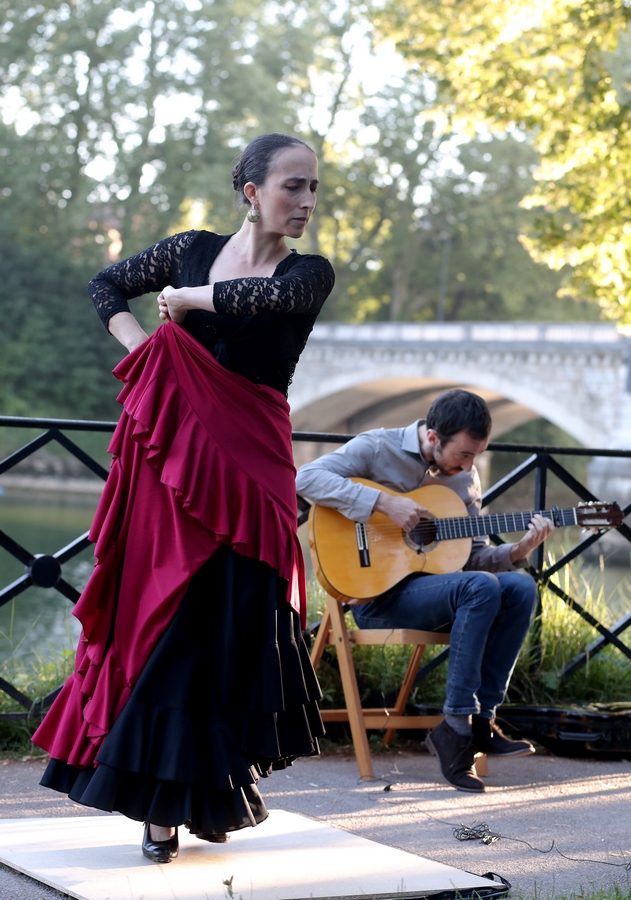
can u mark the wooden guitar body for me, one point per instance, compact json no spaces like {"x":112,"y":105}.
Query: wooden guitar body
{"x":358,"y":562}
{"x":348,"y":572}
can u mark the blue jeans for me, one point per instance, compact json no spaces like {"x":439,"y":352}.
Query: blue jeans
{"x":488,"y":616}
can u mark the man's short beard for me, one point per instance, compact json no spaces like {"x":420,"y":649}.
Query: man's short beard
{"x":439,"y":448}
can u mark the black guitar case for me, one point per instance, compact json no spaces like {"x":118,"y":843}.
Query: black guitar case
{"x":591,"y":732}
{"x":599,"y":731}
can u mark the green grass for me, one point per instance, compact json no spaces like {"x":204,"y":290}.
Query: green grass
{"x":606,"y":678}
{"x":610,"y":893}
{"x":36,"y":680}
{"x":380,"y":670}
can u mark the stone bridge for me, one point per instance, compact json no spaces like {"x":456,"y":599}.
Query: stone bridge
{"x":575,"y":375}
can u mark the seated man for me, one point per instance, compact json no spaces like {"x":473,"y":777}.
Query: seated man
{"x":487,"y":607}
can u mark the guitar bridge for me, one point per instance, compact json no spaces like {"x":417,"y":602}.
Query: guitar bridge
{"x":362,"y":545}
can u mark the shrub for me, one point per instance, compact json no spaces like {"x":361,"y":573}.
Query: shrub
{"x":36,"y":680}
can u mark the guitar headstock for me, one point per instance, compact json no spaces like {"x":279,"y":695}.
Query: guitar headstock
{"x":598,"y":516}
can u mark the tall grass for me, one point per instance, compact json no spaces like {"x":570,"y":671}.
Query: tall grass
{"x":562,"y":633}
{"x":35,"y":678}
{"x":606,"y":677}
{"x":380,"y":669}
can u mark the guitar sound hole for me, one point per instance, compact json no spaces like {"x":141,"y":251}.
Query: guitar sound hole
{"x":423,"y":537}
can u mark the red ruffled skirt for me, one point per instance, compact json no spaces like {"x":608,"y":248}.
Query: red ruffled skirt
{"x":191,"y":676}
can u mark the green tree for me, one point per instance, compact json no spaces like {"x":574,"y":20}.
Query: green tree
{"x":119,"y":126}
{"x":126,"y":113}
{"x":55,"y":358}
{"x":420,"y":229}
{"x":559,"y":70}
{"x":467,"y":261}
{"x":120,"y":123}
{"x":369,"y":199}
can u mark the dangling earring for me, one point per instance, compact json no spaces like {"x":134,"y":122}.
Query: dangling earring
{"x":254,"y":215}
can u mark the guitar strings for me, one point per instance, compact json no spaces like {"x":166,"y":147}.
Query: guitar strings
{"x":428,"y":526}
{"x":428,"y":529}
{"x":452,"y":520}
{"x":426,"y":532}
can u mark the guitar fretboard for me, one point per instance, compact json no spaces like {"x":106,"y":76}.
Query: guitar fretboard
{"x":498,"y":523}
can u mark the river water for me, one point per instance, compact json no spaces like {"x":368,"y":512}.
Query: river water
{"x":39,"y":623}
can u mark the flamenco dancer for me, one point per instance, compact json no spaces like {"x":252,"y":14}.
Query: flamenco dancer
{"x":192,"y":679}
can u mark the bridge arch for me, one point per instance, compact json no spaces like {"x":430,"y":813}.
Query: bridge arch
{"x":575,"y":375}
{"x":357,"y":401}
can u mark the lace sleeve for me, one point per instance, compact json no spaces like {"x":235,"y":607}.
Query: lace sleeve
{"x":301,"y":291}
{"x":150,"y":270}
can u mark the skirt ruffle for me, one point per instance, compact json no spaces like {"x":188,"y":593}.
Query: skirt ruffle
{"x":227,"y":695}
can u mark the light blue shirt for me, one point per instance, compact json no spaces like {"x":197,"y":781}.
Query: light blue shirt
{"x":392,"y":457}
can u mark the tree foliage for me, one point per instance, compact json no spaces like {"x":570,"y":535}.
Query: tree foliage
{"x":119,"y":124}
{"x":559,"y":70}
{"x":132,"y":108}
{"x":420,"y":228}
{"x":55,"y":357}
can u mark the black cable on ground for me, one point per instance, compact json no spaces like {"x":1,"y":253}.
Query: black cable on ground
{"x":481,"y":831}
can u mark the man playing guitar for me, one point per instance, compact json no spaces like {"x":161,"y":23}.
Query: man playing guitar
{"x":487,"y":607}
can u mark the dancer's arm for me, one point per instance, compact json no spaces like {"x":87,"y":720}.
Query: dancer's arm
{"x":148,"y":271}
{"x":301,"y":291}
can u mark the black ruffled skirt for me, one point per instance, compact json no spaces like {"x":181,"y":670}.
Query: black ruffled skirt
{"x":228,"y":695}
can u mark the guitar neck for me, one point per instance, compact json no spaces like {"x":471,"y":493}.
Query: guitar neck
{"x":499,"y":523}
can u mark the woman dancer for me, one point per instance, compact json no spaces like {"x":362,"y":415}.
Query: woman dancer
{"x":192,"y":679}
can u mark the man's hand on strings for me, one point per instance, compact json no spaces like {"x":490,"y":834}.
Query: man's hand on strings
{"x":539,"y":529}
{"x":403,"y":511}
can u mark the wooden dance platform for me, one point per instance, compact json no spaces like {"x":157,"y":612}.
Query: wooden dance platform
{"x":288,"y":857}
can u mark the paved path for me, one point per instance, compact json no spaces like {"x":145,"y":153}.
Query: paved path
{"x":584,"y":806}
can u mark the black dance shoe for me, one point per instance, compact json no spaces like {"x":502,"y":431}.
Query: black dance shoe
{"x":159,"y":851}
{"x":212,"y":838}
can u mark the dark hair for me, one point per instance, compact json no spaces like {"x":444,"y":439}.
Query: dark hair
{"x":456,"y":411}
{"x":254,"y":163}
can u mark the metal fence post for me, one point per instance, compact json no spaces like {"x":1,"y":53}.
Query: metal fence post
{"x":541,"y":483}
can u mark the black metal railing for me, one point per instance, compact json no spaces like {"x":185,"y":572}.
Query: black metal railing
{"x":46,"y":570}
{"x":42,"y":569}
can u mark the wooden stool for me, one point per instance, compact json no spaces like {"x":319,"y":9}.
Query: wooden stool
{"x":333,"y":632}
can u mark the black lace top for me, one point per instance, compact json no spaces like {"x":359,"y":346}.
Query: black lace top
{"x":260,"y":326}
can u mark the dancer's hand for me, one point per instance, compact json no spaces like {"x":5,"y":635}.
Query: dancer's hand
{"x":171,"y":305}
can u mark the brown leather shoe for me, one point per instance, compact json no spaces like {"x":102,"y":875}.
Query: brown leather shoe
{"x":489,"y":738}
{"x":455,"y":754}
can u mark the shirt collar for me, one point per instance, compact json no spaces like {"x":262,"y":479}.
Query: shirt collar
{"x":410,"y":441}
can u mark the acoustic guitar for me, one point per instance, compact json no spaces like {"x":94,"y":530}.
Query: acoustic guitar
{"x":354,"y":561}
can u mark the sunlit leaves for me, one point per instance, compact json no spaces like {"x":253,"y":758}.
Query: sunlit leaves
{"x":560,"y":70}
{"x":133,"y":107}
